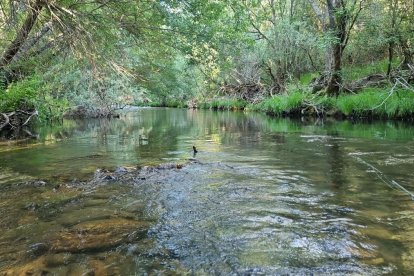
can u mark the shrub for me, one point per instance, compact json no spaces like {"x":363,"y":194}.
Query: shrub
{"x":20,"y":95}
{"x":30,"y":94}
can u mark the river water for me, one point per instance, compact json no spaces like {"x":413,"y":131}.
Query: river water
{"x":265,"y":196}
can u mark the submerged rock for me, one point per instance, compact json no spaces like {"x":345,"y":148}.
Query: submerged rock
{"x":36,"y":267}
{"x":98,"y":235}
{"x":38,"y":249}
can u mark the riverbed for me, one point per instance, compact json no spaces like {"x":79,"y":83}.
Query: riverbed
{"x":262,"y":196}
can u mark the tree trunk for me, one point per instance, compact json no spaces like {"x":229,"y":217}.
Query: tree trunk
{"x":34,"y":10}
{"x":32,"y":41}
{"x":390,"y":57}
{"x":338,"y":25}
{"x":335,"y":80}
{"x":393,"y":7}
{"x":408,"y":59}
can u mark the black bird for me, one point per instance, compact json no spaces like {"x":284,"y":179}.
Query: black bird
{"x":195,"y":150}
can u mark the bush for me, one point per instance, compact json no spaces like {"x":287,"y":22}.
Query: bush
{"x":20,"y":95}
{"x":31,"y":94}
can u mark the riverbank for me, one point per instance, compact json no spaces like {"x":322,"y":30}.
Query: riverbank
{"x":367,"y":93}
{"x":370,"y":103}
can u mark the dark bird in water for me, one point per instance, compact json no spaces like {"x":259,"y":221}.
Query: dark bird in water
{"x":195,"y":150}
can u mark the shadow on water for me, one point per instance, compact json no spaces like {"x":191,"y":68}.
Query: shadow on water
{"x":261,"y":196}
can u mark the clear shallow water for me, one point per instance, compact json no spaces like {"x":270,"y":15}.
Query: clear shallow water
{"x":272,"y":196}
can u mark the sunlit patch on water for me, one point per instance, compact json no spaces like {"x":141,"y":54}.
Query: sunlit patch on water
{"x":320,"y":138}
{"x":399,"y":159}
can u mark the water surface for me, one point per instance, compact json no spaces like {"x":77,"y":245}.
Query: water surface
{"x":268,"y":196}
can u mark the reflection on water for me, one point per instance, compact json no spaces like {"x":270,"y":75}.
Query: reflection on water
{"x":270,"y":196}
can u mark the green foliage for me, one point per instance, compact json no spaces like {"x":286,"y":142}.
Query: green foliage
{"x":324,"y":102}
{"x":32,"y":94}
{"x":167,"y":103}
{"x":80,"y":85}
{"x":175,"y":51}
{"x":50,"y":108}
{"x":371,"y":102}
{"x":359,"y":104}
{"x":306,"y":79}
{"x":351,"y":73}
{"x":224,"y":104}
{"x":291,"y":103}
{"x":377,"y":102}
{"x":21,"y":95}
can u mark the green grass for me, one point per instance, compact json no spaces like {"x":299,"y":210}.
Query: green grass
{"x":352,"y":73}
{"x":31,"y":93}
{"x":20,"y":95}
{"x":224,"y":104}
{"x":371,"y":102}
{"x":167,"y":103}
{"x":287,"y":103}
{"x":377,"y":102}
{"x":306,"y":79}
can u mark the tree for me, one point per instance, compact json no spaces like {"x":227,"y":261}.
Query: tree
{"x":338,"y":18}
{"x":33,"y":10}
{"x":82,"y":27}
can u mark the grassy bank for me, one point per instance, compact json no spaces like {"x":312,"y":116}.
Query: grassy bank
{"x":215,"y":104}
{"x":368,"y":103}
{"x":168,"y":103}
{"x":372,"y":102}
{"x":224,"y":104}
{"x":381,"y":103}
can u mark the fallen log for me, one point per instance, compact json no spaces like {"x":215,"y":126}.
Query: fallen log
{"x":374,"y":80}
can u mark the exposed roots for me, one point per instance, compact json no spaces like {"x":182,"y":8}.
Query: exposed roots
{"x":250,"y":92}
{"x":16,"y":119}
{"x":375,"y":80}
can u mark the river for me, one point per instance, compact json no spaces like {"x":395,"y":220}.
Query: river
{"x":265,"y":196}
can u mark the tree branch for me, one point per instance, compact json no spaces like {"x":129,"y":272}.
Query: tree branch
{"x":21,"y":37}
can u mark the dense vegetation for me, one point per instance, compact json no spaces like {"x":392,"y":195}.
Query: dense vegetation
{"x":322,"y":57}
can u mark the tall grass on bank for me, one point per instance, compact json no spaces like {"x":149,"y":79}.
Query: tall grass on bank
{"x":224,"y":104}
{"x":286,"y":103}
{"x":370,"y":102}
{"x":378,"y":102}
{"x":167,"y":103}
